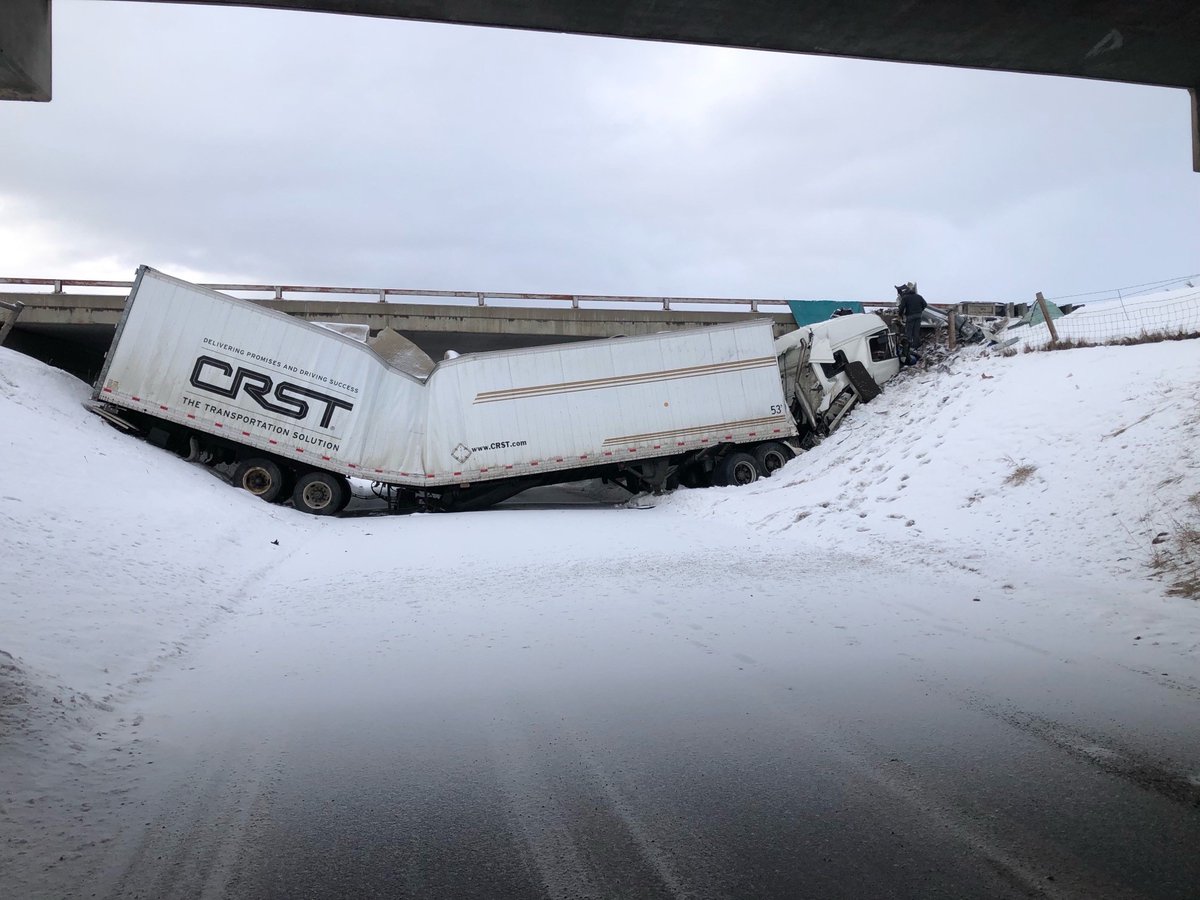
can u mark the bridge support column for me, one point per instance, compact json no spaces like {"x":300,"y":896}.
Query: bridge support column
{"x":1195,"y":92}
{"x":25,"y":50}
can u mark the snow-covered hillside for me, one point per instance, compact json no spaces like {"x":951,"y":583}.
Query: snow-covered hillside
{"x":1065,"y":463}
{"x":115,"y":552}
{"x":1050,"y":472}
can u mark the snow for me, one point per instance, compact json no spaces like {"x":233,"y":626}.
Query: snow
{"x":352,"y":330}
{"x":1109,"y":319}
{"x":120,"y":559}
{"x":923,"y":472}
{"x":117,"y":552}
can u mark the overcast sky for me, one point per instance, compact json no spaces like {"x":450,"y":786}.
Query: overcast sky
{"x":264,"y":146}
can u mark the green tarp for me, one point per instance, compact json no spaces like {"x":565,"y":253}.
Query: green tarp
{"x":806,"y":312}
{"x":1034,"y":316}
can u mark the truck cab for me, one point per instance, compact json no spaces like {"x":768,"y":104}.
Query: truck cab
{"x":817,"y":364}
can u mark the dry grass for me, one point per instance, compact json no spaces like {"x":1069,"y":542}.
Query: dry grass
{"x":1146,"y":337}
{"x":1178,"y":557}
{"x":1021,"y":472}
{"x":1154,"y":337}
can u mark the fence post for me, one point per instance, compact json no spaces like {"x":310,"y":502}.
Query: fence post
{"x":14,"y":310}
{"x":951,"y":334}
{"x":1046,"y":315}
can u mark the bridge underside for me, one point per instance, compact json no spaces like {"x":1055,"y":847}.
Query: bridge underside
{"x":1118,"y":40}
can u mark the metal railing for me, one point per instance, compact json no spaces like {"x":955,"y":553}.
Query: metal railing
{"x":481,"y":298}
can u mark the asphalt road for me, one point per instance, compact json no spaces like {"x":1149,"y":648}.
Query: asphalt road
{"x":625,"y":730}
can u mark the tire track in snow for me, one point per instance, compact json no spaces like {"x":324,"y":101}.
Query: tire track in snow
{"x":582,"y":836}
{"x":200,"y":629}
{"x":1162,"y":777}
{"x":1018,"y":866}
{"x":1019,"y":862}
{"x":191,"y":847}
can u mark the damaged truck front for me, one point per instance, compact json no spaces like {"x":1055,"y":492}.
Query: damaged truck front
{"x":829,"y":367}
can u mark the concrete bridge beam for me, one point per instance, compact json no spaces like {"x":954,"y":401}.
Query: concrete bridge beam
{"x":25,"y":50}
{"x":412,"y":318}
{"x":74,"y":330}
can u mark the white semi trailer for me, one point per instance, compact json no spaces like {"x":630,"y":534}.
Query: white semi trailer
{"x":298,"y":409}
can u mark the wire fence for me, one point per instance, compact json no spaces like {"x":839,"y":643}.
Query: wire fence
{"x":1133,"y":290}
{"x":1123,"y":319}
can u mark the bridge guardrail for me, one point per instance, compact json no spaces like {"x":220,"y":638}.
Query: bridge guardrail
{"x":480,"y":298}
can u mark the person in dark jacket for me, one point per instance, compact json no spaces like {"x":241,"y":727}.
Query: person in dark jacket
{"x":909,"y":306}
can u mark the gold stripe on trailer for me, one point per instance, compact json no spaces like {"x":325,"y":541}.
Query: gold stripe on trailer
{"x":719,"y":428}
{"x":592,"y":384}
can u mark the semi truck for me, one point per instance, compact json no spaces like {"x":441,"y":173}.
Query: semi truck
{"x":294,"y":410}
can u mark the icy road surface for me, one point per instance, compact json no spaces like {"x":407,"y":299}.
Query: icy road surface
{"x":728,"y":722}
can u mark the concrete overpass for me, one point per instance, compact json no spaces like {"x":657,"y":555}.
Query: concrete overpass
{"x":73,"y":331}
{"x":1152,"y":43}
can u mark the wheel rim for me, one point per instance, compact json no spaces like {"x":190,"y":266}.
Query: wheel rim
{"x":744,"y":473}
{"x":317,"y":495}
{"x":257,"y":481}
{"x":773,"y":461}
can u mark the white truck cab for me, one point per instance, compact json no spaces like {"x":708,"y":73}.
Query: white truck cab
{"x":818,"y":364}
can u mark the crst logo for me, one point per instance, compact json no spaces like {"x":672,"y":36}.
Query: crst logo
{"x":286,"y":399}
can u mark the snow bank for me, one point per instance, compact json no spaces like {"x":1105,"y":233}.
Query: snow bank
{"x":1045,"y":471}
{"x":115,"y":553}
{"x":1040,"y":466}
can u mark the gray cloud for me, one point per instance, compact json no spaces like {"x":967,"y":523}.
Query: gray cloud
{"x":268,"y":146}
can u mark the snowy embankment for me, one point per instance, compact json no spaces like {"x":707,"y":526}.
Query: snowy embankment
{"x":115,"y":552}
{"x":1050,"y":474}
{"x":1057,"y":468}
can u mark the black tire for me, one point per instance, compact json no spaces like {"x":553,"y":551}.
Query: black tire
{"x":289,"y":485}
{"x":348,"y":496}
{"x":737,"y":468}
{"x":319,"y":493}
{"x":262,"y":477}
{"x":771,"y":457}
{"x":857,"y":375}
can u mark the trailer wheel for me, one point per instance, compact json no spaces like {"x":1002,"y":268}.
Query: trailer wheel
{"x":771,"y":457}
{"x":261,"y":477}
{"x":737,"y":468}
{"x":347,"y":495}
{"x":319,"y":493}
